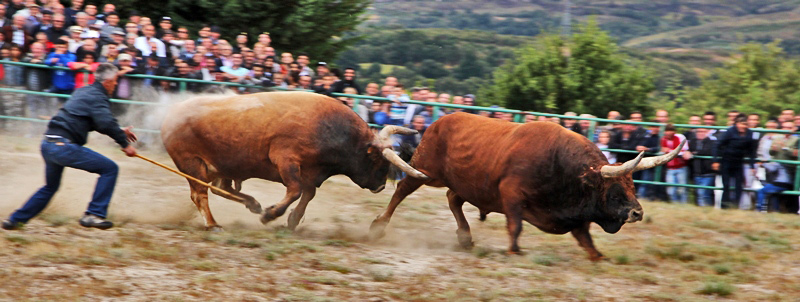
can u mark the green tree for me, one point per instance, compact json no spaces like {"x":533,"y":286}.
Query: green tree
{"x":586,"y":75}
{"x":432,"y":69}
{"x":470,"y":66}
{"x":313,"y":26}
{"x":762,"y":80}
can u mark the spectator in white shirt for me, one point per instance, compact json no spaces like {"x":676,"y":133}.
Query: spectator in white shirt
{"x":143,"y":43}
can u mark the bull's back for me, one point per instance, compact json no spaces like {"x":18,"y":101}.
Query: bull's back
{"x":471,"y":154}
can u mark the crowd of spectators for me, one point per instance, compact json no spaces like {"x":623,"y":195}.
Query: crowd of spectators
{"x":79,"y":37}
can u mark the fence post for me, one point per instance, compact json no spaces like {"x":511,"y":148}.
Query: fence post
{"x":435,"y":112}
{"x":182,"y":86}
{"x":657,"y":177}
{"x":797,"y":172}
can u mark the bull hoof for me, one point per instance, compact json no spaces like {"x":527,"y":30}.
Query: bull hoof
{"x":215,"y":229}
{"x":377,"y":230}
{"x":465,"y":239}
{"x":268,"y":215}
{"x":598,"y":258}
{"x":254,"y":207}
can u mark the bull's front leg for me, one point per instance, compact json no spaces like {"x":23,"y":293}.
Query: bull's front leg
{"x":456,"y":204}
{"x":300,"y":209}
{"x":585,"y":241}
{"x":290,"y":173}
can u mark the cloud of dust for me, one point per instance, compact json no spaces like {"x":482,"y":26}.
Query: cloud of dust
{"x":149,"y":117}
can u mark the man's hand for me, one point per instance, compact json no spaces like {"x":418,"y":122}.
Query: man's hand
{"x":687,"y":155}
{"x":641,"y":148}
{"x":715,"y":166}
{"x":754,"y":171}
{"x":54,"y":60}
{"x":130,"y":135}
{"x":130,"y":151}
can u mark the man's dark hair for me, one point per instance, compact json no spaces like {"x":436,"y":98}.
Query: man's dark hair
{"x":712,"y":113}
{"x":636,"y":112}
{"x":112,"y":43}
{"x":336,"y":72}
{"x":754,"y":113}
{"x":154,"y":57}
{"x":741,"y":118}
{"x":303,"y":54}
{"x":694,"y":115}
{"x":259,"y":65}
{"x":669,"y":127}
{"x":112,"y":14}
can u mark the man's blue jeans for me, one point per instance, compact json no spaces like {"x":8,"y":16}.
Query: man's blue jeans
{"x":769,"y":190}
{"x":59,"y":154}
{"x":705,"y":197}
{"x":677,"y":176}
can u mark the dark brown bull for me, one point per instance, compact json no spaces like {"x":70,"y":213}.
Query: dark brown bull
{"x":296,"y":138}
{"x":553,"y":178}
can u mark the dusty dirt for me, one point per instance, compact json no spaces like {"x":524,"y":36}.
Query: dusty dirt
{"x":160,"y":251}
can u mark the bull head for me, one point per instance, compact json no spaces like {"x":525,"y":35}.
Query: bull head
{"x":639,"y":164}
{"x":383,"y":139}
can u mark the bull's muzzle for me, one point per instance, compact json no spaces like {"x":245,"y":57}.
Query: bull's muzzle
{"x":378,"y":190}
{"x":635,"y":215}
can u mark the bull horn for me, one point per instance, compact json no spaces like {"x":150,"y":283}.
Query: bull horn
{"x":609,"y":171}
{"x":393,"y":158}
{"x":387,"y":131}
{"x":651,"y":162}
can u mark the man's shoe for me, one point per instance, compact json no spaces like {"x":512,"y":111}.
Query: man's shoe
{"x":93,"y":221}
{"x":10,"y":225}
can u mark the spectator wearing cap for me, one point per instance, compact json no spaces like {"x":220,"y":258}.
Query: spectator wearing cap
{"x":125,"y":84}
{"x":118,"y":36}
{"x":33,"y":18}
{"x":241,"y":42}
{"x":143,"y":43}
{"x":63,"y":81}
{"x":45,"y":23}
{"x":111,"y":25}
{"x":88,"y":62}
{"x":74,"y":40}
{"x":15,"y":32}
{"x":107,"y":10}
{"x":163,"y":26}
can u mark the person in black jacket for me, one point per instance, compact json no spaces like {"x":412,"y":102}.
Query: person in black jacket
{"x":733,"y":146}
{"x":349,"y":80}
{"x":88,"y":109}
{"x":702,"y":144}
{"x":628,"y":139}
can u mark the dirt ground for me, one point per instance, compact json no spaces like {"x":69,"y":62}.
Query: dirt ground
{"x":160,"y":251}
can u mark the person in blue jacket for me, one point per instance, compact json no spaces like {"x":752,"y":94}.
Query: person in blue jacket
{"x":63,"y":80}
{"x":88,"y":109}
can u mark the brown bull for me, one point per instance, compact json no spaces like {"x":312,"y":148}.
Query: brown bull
{"x":295,"y":138}
{"x":539,"y":172}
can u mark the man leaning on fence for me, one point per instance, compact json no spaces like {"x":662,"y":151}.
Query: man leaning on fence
{"x":702,"y":144}
{"x":779,"y":176}
{"x":88,"y":109}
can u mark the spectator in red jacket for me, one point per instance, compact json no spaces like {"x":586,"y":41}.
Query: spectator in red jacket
{"x":676,"y":168}
{"x":88,"y":62}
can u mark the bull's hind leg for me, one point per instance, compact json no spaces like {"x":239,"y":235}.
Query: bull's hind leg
{"x":249,"y":201}
{"x":585,"y":241}
{"x":200,"y":199}
{"x":406,"y":186}
{"x":290,"y":174}
{"x":512,"y":201}
{"x":456,"y":203}
{"x":300,"y":209}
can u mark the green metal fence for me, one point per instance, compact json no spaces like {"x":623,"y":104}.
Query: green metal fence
{"x":518,"y":116}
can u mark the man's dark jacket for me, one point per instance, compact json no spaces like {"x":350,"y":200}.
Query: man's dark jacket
{"x":705,"y":147}
{"x":88,"y":109}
